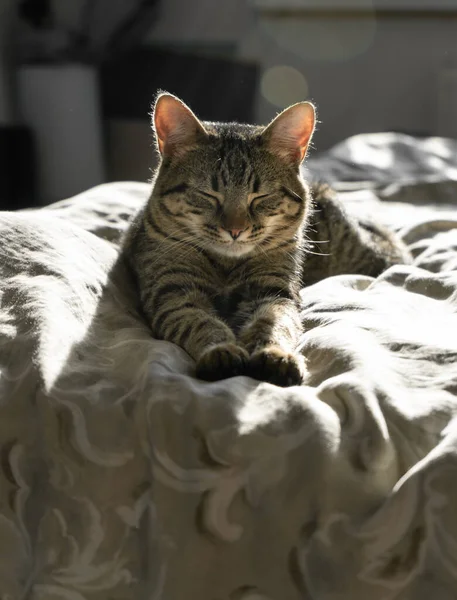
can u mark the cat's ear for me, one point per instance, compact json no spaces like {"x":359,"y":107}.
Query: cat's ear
{"x":176,"y":127}
{"x":289,"y":134}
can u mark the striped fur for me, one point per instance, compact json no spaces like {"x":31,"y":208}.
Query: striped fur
{"x":232,"y":304}
{"x":341,"y":243}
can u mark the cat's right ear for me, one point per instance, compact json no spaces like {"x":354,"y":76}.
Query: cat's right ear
{"x":176,"y":127}
{"x":290,"y":133}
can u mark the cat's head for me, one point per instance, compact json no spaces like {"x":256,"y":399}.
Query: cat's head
{"x":227,"y":187}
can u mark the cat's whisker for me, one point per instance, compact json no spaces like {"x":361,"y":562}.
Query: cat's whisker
{"x":179,"y":249}
{"x":259,"y":247}
{"x":317,"y":253}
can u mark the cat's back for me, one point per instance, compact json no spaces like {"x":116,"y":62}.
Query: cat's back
{"x":344,"y":243}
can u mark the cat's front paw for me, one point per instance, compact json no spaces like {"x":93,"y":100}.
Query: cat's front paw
{"x":275,"y":365}
{"x":222,"y":361}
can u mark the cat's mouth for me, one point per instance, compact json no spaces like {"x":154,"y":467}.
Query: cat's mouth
{"x":227,"y":243}
{"x":234,"y":247}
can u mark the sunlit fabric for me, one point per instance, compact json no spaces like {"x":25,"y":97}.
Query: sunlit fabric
{"x":122,"y":476}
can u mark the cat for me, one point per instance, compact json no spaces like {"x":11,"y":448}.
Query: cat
{"x":220,"y":250}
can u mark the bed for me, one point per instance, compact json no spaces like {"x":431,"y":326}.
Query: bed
{"x":122,"y":477}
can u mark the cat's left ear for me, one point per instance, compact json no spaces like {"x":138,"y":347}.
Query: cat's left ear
{"x":290,"y":133}
{"x":177,"y":128}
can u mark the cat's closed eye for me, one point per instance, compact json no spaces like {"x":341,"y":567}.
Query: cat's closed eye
{"x":211,"y":197}
{"x":265,"y":203}
{"x":201,"y":199}
{"x":259,"y":197}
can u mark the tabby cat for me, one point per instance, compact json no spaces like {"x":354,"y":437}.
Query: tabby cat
{"x":220,"y":250}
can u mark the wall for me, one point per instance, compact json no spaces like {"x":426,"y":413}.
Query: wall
{"x":202,"y":21}
{"x":366,"y":73}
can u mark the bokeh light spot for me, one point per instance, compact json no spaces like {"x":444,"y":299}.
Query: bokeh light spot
{"x":283,"y":85}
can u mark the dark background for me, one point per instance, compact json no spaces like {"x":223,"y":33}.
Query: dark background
{"x":370,"y":66}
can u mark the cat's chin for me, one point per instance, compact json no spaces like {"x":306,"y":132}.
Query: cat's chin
{"x":233,"y":250}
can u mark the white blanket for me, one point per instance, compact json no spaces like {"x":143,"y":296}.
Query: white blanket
{"x":122,"y":477}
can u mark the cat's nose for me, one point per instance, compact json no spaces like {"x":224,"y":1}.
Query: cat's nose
{"x":234,"y":229}
{"x":235,"y":233}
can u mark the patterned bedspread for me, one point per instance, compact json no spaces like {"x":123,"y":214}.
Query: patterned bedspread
{"x":122,"y":477}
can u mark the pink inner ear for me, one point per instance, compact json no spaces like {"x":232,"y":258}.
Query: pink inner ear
{"x":176,"y":126}
{"x":166,"y":118}
{"x":304,"y":142}
{"x":160,"y":127}
{"x":290,"y":133}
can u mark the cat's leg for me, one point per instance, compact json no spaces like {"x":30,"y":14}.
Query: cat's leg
{"x":271,"y":336}
{"x":188,"y":319}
